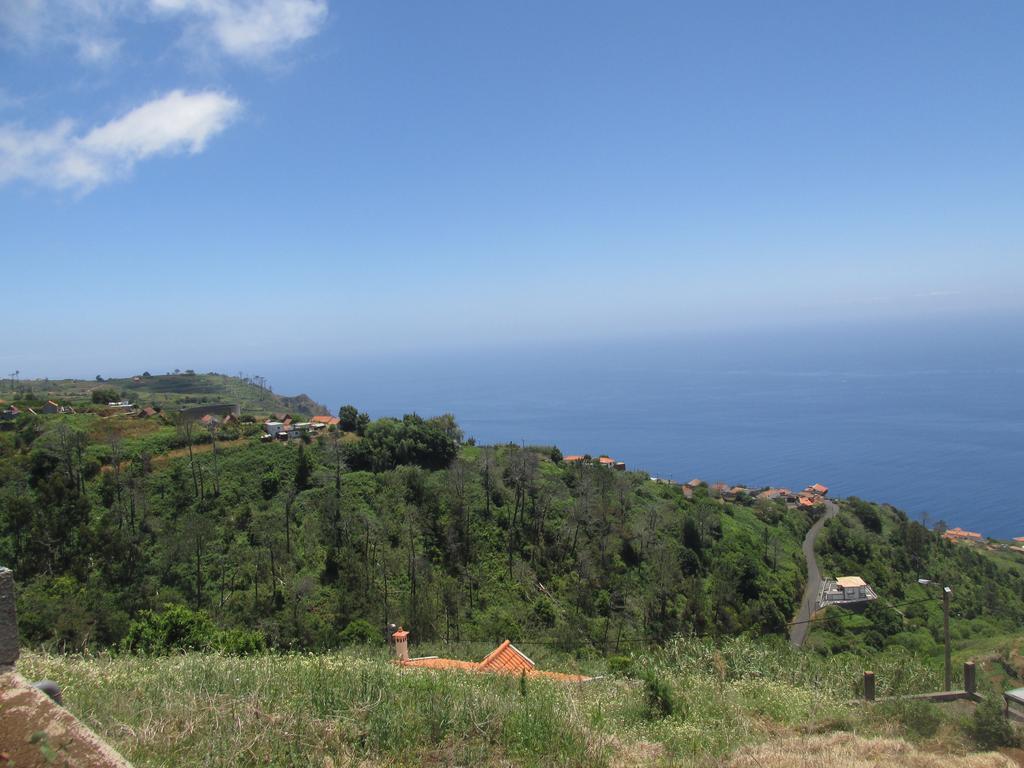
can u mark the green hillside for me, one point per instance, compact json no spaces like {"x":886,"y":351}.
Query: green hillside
{"x":891,"y":551}
{"x":163,"y":391}
{"x":195,"y":560}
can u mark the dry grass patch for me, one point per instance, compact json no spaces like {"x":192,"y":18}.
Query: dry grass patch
{"x":845,"y":750}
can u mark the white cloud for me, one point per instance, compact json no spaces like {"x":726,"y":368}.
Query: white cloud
{"x":88,"y":26}
{"x":175,"y":123}
{"x":245,"y":29}
{"x":250,"y":29}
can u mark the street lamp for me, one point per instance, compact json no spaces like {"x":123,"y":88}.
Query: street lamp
{"x":946,"y":593}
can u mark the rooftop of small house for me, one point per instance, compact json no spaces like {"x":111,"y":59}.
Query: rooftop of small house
{"x":961,"y":534}
{"x":845,"y":589}
{"x":506,"y":659}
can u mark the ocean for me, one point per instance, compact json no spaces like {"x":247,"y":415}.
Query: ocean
{"x":927,"y":417}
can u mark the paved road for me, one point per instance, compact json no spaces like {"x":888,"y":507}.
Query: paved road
{"x":798,"y":631}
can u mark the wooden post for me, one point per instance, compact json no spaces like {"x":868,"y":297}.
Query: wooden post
{"x":869,"y":686}
{"x":970,"y":682}
{"x":946,"y":592}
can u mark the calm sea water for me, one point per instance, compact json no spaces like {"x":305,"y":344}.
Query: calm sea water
{"x":928,"y":419}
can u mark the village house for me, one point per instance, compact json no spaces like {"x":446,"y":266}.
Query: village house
{"x":326,"y":421}
{"x":718,"y":489}
{"x":603,"y":461}
{"x":774,"y":494}
{"x":506,"y":659}
{"x":846,"y":591}
{"x":817,"y":489}
{"x":11,"y":412}
{"x":147,"y":412}
{"x":958,"y":535}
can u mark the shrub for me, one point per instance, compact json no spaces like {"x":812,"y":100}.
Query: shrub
{"x":620,"y":665}
{"x":989,"y":728}
{"x":659,"y":697}
{"x":178,"y":628}
{"x":104,"y":395}
{"x":175,"y":629}
{"x":358,"y":631}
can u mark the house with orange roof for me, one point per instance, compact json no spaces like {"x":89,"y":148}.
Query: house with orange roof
{"x":327,"y":421}
{"x":506,"y":659}
{"x":1019,"y":539}
{"x":959,"y":534}
{"x":603,"y":461}
{"x":818,"y":489}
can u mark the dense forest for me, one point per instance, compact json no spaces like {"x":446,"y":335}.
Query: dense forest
{"x":108,"y":521}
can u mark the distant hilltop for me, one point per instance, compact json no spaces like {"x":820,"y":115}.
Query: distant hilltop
{"x":175,"y":391}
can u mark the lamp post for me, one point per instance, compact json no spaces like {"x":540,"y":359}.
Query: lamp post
{"x":946,"y":593}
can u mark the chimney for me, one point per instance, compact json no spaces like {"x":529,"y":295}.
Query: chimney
{"x":401,"y":638}
{"x":8,"y":620}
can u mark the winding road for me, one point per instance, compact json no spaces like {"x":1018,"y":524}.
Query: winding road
{"x":798,"y":630}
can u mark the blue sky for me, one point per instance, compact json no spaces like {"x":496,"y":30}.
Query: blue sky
{"x":198,"y":182}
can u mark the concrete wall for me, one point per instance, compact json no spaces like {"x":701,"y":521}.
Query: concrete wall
{"x":8,"y":620}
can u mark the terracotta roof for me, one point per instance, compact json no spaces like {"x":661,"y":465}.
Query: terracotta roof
{"x":806,"y":501}
{"x":1019,"y":538}
{"x":605,"y":460}
{"x":720,"y":487}
{"x":400,"y":633}
{"x":960,"y":533}
{"x":695,"y":483}
{"x":506,"y":658}
{"x":573,"y":458}
{"x":818,"y":488}
{"x":328,"y":420}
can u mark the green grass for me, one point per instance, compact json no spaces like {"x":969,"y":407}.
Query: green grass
{"x":355,"y":707}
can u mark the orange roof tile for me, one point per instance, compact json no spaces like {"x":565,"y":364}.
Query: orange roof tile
{"x":573,"y":458}
{"x":960,"y":533}
{"x":328,"y":420}
{"x":605,"y":460}
{"x":400,"y":633}
{"x":1019,"y":538}
{"x":819,"y":488}
{"x":506,"y":658}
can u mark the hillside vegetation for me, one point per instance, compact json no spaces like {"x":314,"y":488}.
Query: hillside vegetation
{"x":163,"y":391}
{"x":892,"y":552}
{"x":108,"y":518}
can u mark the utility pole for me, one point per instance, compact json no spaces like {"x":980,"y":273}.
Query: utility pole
{"x":947,"y":593}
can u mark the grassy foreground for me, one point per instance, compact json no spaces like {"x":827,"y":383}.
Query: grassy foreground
{"x":356,"y":708}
